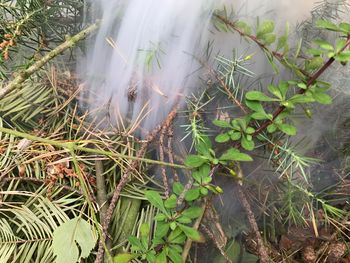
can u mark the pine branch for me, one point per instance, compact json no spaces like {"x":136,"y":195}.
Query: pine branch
{"x":24,"y":75}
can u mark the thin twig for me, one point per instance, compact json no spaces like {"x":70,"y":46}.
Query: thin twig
{"x":171,"y":152}
{"x":125,"y":179}
{"x":161,"y":157}
{"x":24,"y":75}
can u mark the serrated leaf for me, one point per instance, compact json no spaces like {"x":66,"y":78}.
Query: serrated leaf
{"x":68,"y":236}
{"x":224,"y":137}
{"x":288,"y":129}
{"x":124,"y":258}
{"x":154,"y":198}
{"x":222,"y":124}
{"x":258,"y":96}
{"x":194,"y":161}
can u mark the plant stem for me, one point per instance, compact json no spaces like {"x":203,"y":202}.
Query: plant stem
{"x":125,"y":179}
{"x":24,"y":75}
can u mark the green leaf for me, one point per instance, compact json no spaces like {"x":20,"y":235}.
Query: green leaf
{"x":192,"y":194}
{"x":194,"y":161}
{"x":322,"y":98}
{"x":275,"y":91}
{"x":68,"y":236}
{"x":193,"y":212}
{"x":175,"y":256}
{"x":268,"y":39}
{"x":247,"y":144}
{"x":260,"y":116}
{"x":271,"y":128}
{"x":235,"y":155}
{"x":224,"y":137}
{"x":288,"y":129}
{"x":254,"y":105}
{"x":222,"y":124}
{"x":314,"y":52}
{"x":144,"y":230}
{"x":345,"y":28}
{"x":184,"y":220}
{"x":203,"y":146}
{"x":258,"y":96}
{"x":162,"y":229}
{"x":170,"y":203}
{"x":301,"y":98}
{"x":343,"y":56}
{"x":235,"y":136}
{"x":192,"y":233}
{"x":176,"y":236}
{"x":326,"y":24}
{"x":154,"y":198}
{"x":124,"y":258}
{"x":178,"y":188}
{"x":161,"y":257}
{"x":283,"y":86}
{"x":265,"y":27}
{"x":324,"y":44}
{"x":340,"y":44}
{"x":314,"y":63}
{"x":135,"y":243}
{"x":244,"y":27}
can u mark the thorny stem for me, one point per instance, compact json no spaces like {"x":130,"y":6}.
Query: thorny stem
{"x":125,"y":179}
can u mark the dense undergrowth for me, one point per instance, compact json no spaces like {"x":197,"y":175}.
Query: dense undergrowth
{"x":74,"y":190}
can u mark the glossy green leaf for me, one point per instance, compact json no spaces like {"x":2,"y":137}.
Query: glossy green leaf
{"x":221,"y":123}
{"x":345,"y":28}
{"x":194,"y":161}
{"x":322,"y":98}
{"x":192,"y":233}
{"x":326,"y":24}
{"x":175,"y":256}
{"x":258,"y":96}
{"x":224,"y":137}
{"x":178,"y":188}
{"x":193,"y":212}
{"x":235,"y":155}
{"x":288,"y":129}
{"x":247,"y":144}
{"x":124,"y":258}
{"x":154,"y":198}
{"x":301,"y":98}
{"x":161,"y":257}
{"x":192,"y":194}
{"x":170,"y":203}
{"x":162,"y":229}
